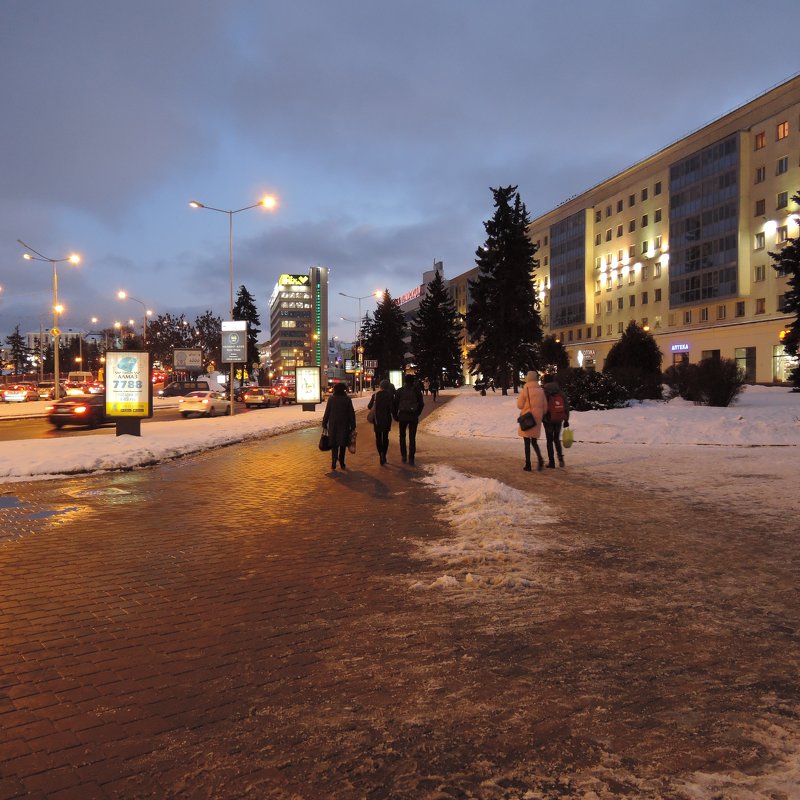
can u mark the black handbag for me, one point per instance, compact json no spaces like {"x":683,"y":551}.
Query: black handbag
{"x":324,"y":442}
{"x":526,"y":421}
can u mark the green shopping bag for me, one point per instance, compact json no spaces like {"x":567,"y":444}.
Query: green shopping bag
{"x":568,"y":437}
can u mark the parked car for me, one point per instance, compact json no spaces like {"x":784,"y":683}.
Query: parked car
{"x":204,"y":404}
{"x":88,"y":410}
{"x":20,"y":393}
{"x":257,"y":396}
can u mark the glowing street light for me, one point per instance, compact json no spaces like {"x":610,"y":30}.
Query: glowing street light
{"x":146,"y":312}
{"x":73,"y":258}
{"x":269,"y":202}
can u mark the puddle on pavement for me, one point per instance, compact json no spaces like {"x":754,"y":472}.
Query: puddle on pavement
{"x":7,"y":501}
{"x":104,"y":492}
{"x":48,"y":514}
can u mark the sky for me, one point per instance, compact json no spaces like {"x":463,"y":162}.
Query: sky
{"x":380,"y":127}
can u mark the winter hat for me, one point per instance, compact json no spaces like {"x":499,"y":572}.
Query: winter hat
{"x":532,"y":377}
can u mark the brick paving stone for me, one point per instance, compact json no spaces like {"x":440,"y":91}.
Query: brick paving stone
{"x":241,"y":625}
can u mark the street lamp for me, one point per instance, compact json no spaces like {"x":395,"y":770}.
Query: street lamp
{"x":73,"y":258}
{"x":146,"y":312}
{"x":268,"y":201}
{"x":356,"y":342}
{"x":360,"y":323}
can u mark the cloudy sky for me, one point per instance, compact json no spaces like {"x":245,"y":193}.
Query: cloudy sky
{"x":380,"y":126}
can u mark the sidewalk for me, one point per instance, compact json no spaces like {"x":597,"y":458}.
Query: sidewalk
{"x":243,"y":624}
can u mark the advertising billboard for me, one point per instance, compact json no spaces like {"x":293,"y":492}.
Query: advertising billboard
{"x":129,"y":390}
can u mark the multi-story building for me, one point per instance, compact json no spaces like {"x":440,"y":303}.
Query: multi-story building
{"x":298,"y":322}
{"x":679,"y":243}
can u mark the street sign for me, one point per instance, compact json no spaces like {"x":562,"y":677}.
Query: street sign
{"x":189,"y":359}
{"x":370,"y":363}
{"x":234,"y":342}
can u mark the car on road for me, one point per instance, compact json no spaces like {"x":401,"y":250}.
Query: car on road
{"x":46,"y":390}
{"x":88,"y":410}
{"x":19,"y":393}
{"x":204,"y":404}
{"x":285,"y":394}
{"x":182,"y":388}
{"x":259,"y":397}
{"x":72,"y":388}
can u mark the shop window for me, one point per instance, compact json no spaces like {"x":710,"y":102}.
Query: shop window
{"x":746,"y":361}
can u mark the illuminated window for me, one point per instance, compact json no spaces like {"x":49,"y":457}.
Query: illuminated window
{"x":759,"y":140}
{"x":761,"y":174}
{"x":781,"y":130}
{"x":783,"y":200}
{"x":760,"y":209}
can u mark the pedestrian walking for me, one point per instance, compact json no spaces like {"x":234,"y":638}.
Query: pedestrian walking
{"x":407,"y":405}
{"x":339,"y":420}
{"x":531,"y":399}
{"x":381,"y":405}
{"x":426,"y":385}
{"x":434,"y":387}
{"x":557,"y":414}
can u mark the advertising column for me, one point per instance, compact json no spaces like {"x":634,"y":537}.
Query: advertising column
{"x":129,"y":389}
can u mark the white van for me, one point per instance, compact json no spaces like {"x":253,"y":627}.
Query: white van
{"x":80,"y":377}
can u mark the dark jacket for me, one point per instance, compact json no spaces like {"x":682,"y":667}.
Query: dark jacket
{"x":550,"y":388}
{"x":416,"y":394}
{"x":381,"y":401}
{"x":339,"y":419}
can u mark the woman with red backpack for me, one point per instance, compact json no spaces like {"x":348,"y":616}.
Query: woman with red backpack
{"x":557,"y":414}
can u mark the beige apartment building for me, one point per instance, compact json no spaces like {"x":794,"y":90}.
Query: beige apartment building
{"x":680,"y":243}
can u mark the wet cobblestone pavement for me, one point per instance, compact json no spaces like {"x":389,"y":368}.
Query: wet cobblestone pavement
{"x":241,"y":624}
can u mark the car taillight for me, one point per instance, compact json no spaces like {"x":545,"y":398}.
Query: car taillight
{"x":49,"y":408}
{"x":205,"y":400}
{"x":81,"y":409}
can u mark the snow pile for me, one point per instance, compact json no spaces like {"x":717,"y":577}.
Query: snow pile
{"x":494,"y":542}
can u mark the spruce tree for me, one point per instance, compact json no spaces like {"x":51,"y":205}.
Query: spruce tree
{"x":18,"y":351}
{"x":787,"y":264}
{"x":384,"y":338}
{"x":245,"y":310}
{"x":208,"y":337}
{"x":503,"y":318}
{"x":436,"y":335}
{"x":634,"y":361}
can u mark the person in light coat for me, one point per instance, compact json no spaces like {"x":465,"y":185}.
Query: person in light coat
{"x":532,"y":398}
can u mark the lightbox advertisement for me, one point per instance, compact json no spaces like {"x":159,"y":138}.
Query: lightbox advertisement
{"x":129,"y":390}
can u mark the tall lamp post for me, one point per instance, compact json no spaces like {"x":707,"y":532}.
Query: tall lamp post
{"x":146,"y":312}
{"x":73,"y":258}
{"x":356,"y":342}
{"x":360,"y":324}
{"x":268,"y":201}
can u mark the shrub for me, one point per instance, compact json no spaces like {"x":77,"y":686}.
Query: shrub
{"x":713,"y":382}
{"x":591,"y":391}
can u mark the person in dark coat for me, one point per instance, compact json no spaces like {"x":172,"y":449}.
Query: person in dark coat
{"x":339,"y":420}
{"x":381,"y":403}
{"x":552,"y":427}
{"x":407,"y":405}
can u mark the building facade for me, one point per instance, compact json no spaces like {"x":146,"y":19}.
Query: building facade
{"x":298,"y":323}
{"x":679,"y":243}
